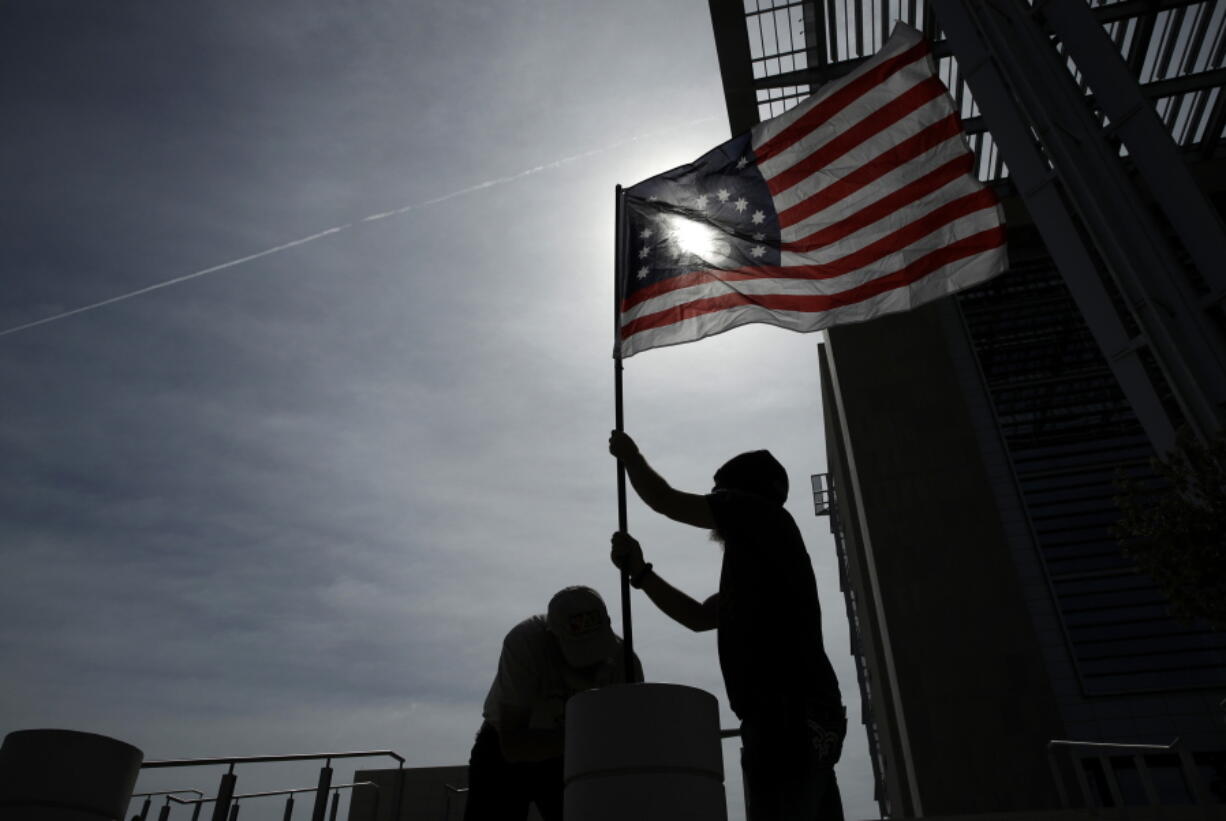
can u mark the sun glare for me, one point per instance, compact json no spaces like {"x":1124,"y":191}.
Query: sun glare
{"x":694,"y":237}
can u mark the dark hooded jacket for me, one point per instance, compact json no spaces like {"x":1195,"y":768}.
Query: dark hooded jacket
{"x":770,"y":636}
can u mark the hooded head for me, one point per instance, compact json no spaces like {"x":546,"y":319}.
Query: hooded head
{"x":756,"y":473}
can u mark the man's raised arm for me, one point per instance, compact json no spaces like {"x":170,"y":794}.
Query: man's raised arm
{"x":659,"y":495}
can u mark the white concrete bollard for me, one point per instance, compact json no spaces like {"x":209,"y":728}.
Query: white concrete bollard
{"x":643,"y":752}
{"x":65,"y":775}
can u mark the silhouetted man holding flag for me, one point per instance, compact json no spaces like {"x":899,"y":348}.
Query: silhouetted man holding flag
{"x":778,"y":678}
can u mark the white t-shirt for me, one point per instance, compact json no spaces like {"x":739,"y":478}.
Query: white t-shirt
{"x":533,"y":674}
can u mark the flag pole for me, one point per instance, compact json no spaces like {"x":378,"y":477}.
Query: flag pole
{"x":619,"y":423}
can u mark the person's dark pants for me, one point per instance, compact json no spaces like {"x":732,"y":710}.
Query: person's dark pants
{"x":788,"y":768}
{"x":499,"y":790}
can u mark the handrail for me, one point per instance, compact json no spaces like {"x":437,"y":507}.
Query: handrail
{"x":448,"y":791}
{"x":203,"y":800}
{"x":225,"y":792}
{"x":149,"y":796}
{"x":225,"y":803}
{"x":260,"y":759}
{"x":166,"y":792}
{"x":1110,"y":745}
{"x":1105,"y":751}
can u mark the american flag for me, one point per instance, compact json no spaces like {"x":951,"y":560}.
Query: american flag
{"x":858,"y":202}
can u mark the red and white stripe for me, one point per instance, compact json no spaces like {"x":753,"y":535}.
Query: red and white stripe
{"x":878,"y":208}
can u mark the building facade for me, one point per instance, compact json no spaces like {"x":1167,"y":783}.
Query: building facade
{"x":974,"y":444}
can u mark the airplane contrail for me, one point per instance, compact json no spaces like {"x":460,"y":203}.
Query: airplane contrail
{"x":339,"y":228}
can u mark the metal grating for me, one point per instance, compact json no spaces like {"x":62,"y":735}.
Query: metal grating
{"x":1068,"y":430}
{"x":1177,"y":49}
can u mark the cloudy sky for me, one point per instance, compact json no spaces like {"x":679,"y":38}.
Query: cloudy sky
{"x":292,"y":505}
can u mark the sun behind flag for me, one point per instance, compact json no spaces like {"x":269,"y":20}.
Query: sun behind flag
{"x":858,"y":202}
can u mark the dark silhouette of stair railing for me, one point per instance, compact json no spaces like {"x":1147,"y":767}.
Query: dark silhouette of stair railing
{"x":289,"y":801}
{"x":224,"y":799}
{"x":1104,"y":753}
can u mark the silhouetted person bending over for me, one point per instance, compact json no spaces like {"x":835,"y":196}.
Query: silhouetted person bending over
{"x":779,"y":681}
{"x":517,"y":757}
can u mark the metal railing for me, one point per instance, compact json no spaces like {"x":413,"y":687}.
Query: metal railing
{"x":448,"y":791}
{"x":289,"y":802}
{"x":1105,"y":754}
{"x":224,"y":806}
{"x":149,"y":796}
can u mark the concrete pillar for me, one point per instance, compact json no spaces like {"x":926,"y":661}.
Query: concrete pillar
{"x":64,"y":775}
{"x":648,"y":752}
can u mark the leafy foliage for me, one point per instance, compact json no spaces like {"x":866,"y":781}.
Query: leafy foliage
{"x":1177,"y":533}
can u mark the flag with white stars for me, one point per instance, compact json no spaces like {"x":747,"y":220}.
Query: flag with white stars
{"x":860,"y":201}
